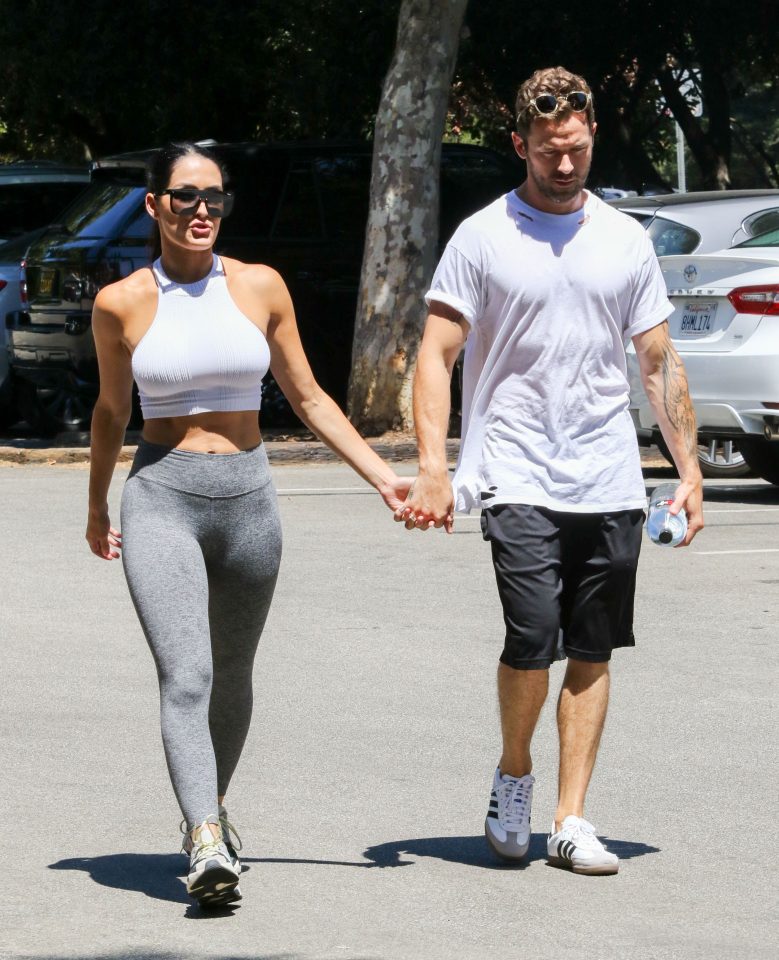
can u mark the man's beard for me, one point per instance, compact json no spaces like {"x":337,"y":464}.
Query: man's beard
{"x":555,"y":192}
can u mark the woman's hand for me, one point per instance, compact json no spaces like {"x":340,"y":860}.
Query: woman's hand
{"x":104,"y":541}
{"x":395,"y":491}
{"x":430,"y":503}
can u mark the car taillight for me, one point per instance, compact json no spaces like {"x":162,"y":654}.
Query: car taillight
{"x":3,"y":284}
{"x":755,"y":299}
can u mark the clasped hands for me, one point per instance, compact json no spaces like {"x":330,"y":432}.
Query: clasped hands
{"x":429,"y":503}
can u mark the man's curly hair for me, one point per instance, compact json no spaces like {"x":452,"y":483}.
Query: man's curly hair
{"x":557,"y":81}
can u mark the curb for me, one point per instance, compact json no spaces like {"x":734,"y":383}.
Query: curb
{"x":401,"y":450}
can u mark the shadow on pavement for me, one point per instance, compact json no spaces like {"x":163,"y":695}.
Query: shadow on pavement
{"x":156,"y":875}
{"x":153,"y":874}
{"x":745,"y":493}
{"x":474,"y":852}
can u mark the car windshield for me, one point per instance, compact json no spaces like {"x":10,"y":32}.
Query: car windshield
{"x":768,"y":239}
{"x":101,"y":211}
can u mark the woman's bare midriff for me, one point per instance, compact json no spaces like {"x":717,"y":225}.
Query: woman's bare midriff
{"x":206,"y":432}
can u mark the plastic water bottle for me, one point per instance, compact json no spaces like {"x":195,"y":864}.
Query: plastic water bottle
{"x":663,"y":527}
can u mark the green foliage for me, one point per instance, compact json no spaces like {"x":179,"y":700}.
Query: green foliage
{"x":83,"y":77}
{"x":622,"y":47}
{"x":86,"y":76}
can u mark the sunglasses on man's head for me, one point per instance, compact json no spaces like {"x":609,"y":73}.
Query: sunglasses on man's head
{"x":547,"y":104}
{"x":185,"y":201}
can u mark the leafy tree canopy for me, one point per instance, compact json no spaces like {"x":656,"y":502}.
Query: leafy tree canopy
{"x":82,"y":77}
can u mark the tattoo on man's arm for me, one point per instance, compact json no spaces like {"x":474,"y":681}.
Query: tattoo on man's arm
{"x":676,"y":399}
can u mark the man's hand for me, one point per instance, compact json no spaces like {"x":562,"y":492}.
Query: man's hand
{"x":430,"y":503}
{"x":665,"y":384}
{"x":689,"y":494}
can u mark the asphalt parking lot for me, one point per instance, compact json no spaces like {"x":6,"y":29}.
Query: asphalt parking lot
{"x":363,"y":787}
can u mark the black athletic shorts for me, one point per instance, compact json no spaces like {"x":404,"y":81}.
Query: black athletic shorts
{"x":566,"y":581}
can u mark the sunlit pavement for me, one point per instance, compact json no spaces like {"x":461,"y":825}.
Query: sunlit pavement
{"x":363,"y":788}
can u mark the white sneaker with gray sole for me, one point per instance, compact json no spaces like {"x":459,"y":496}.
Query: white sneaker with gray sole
{"x":507,"y":826}
{"x":212,"y":879}
{"x":575,"y":847}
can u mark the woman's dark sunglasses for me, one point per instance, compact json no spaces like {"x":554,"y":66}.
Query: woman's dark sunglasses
{"x":547,"y":104}
{"x":184,"y":202}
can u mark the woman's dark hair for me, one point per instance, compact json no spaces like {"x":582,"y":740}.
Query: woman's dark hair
{"x":160,"y":169}
{"x":166,"y":158}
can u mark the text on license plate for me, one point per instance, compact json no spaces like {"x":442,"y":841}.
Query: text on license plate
{"x":46,"y":283}
{"x":697,"y":319}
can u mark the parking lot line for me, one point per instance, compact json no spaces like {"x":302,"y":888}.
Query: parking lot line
{"x":324,"y":491}
{"x":719,"y":553}
{"x":709,"y":510}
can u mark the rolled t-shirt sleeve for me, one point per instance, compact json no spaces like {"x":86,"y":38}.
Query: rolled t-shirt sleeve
{"x":649,"y":303}
{"x":457,"y":283}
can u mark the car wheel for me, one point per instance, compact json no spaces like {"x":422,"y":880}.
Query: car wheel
{"x":717,"y":458}
{"x":762,"y":456}
{"x":50,"y":410}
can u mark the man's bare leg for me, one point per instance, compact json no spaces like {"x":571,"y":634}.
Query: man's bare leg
{"x":581,"y":713}
{"x":521,"y":694}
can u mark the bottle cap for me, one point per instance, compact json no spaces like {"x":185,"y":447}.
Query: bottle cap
{"x":665,"y":536}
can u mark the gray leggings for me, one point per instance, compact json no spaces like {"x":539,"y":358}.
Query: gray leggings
{"x":201,"y":548}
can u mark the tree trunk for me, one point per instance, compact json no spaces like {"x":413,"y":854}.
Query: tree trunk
{"x":710,"y":152}
{"x":402,"y":232}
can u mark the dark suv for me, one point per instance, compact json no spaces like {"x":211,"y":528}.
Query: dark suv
{"x":300,"y":208}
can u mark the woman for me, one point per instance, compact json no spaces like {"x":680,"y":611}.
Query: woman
{"x":201,"y":540}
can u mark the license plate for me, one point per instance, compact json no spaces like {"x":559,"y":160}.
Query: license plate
{"x":697,"y":319}
{"x":46,"y":284}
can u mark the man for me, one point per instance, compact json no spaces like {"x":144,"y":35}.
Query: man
{"x":545,"y":286}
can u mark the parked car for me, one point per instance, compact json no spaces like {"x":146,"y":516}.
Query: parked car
{"x":725,"y":326}
{"x":13,"y":300}
{"x":682,"y":223}
{"x":685,"y":223}
{"x":301,"y":208}
{"x":33,"y":194}
{"x":11,"y":291}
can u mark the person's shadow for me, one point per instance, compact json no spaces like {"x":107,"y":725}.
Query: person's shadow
{"x":158,"y":875}
{"x":475,"y":852}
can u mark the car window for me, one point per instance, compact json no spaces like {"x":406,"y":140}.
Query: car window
{"x":101,"y":211}
{"x":761,"y":222}
{"x":298,"y":216}
{"x":344,"y":185}
{"x":672,"y":238}
{"x":140,"y":228}
{"x":27,"y":206}
{"x":770,"y":239}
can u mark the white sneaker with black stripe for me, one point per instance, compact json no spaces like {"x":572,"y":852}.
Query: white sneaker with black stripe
{"x":575,"y":847}
{"x":507,"y":826}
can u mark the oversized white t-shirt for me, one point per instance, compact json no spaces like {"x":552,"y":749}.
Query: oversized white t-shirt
{"x":551,"y":300}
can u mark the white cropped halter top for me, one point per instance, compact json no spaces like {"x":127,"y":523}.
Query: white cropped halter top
{"x":200,"y":354}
